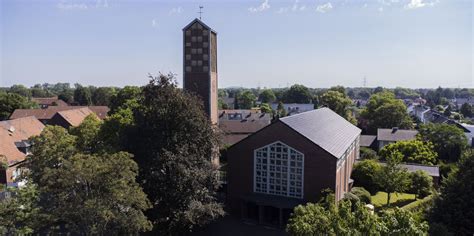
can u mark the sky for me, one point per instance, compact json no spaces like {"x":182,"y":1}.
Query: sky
{"x":261,"y":43}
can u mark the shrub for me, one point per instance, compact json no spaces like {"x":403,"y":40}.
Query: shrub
{"x":367,"y":153}
{"x":351,"y":197}
{"x":421,"y":184}
{"x":364,"y":175}
{"x":362,"y":194}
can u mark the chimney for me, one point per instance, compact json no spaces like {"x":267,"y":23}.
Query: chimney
{"x":394,"y":129}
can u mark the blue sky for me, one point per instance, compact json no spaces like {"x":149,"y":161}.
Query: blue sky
{"x":266,"y":43}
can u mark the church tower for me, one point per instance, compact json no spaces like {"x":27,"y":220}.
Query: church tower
{"x":200,"y":65}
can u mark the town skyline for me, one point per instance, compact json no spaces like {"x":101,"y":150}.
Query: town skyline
{"x":415,"y":44}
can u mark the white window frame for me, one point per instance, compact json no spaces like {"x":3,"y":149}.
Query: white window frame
{"x":288,"y":172}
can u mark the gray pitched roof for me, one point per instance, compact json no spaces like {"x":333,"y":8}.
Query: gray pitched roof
{"x":395,"y":134}
{"x":367,"y":140}
{"x":200,"y":22}
{"x":325,"y":128}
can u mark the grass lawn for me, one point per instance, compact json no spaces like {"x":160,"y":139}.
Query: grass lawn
{"x":379,"y":200}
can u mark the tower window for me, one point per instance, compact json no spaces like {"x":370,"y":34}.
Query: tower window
{"x":199,"y":63}
{"x":205,"y":57}
{"x":205,"y":68}
{"x":205,"y":32}
{"x":188,"y":32}
{"x":193,"y":39}
{"x":199,"y":26}
{"x":188,"y":44}
{"x":193,"y":63}
{"x":205,"y":44}
{"x":199,"y":38}
{"x":188,"y":57}
{"x":188,"y":69}
{"x":199,"y":50}
{"x":193,"y":50}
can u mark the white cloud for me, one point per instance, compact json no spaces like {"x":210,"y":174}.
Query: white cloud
{"x":154,"y":23}
{"x":296,"y":7}
{"x":414,"y":4}
{"x":71,"y":6}
{"x":176,"y":10}
{"x":380,"y":9}
{"x":323,"y":8}
{"x":282,"y":10}
{"x":262,"y":7}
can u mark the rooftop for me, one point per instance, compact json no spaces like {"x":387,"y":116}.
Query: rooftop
{"x":395,"y":134}
{"x":325,"y":128}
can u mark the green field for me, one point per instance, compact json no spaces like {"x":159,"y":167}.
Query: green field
{"x":379,"y":200}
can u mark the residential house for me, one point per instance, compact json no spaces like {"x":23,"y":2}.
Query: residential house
{"x":387,"y":136}
{"x":14,"y":145}
{"x":47,"y":102}
{"x":294,"y":108}
{"x":70,"y":118}
{"x":368,"y":141}
{"x":290,"y":162}
{"x":238,"y":124}
{"x":45,"y":115}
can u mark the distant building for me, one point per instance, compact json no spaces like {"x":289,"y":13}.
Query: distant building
{"x":14,"y":146}
{"x":45,"y":115}
{"x":70,"y":118}
{"x":388,"y":136}
{"x":368,"y":141}
{"x":47,"y":102}
{"x":294,"y":108}
{"x":238,"y":124}
{"x":200,"y":65}
{"x":290,"y":162}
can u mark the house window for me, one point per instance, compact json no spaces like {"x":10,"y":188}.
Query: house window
{"x":279,"y":170}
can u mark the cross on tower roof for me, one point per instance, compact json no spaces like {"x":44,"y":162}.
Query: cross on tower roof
{"x":200,"y":11}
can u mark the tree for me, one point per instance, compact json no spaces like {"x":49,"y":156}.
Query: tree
{"x":246,"y":100}
{"x":90,"y":193}
{"x":384,"y":111}
{"x":280,"y":112}
{"x":413,"y":151}
{"x":267,"y":96}
{"x":19,"y":213}
{"x":82,"y":95}
{"x":265,"y":108}
{"x":174,"y":143}
{"x":102,"y":96}
{"x":421,"y":184}
{"x":447,"y":112}
{"x":362,"y":194}
{"x":325,"y":218}
{"x":87,"y":134}
{"x":297,"y":94}
{"x":367,"y":153}
{"x":392,"y":177}
{"x":9,"y":102}
{"x":365,"y":173}
{"x":339,"y":103}
{"x":20,"y":90}
{"x":466,"y":110}
{"x":449,"y":141}
{"x":126,"y":98}
{"x":454,"y":207}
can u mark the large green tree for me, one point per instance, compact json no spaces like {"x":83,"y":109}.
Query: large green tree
{"x":466,"y":110}
{"x":421,"y":184}
{"x":449,"y":141}
{"x":454,"y":207}
{"x":392,"y":177}
{"x":91,"y":193}
{"x":413,"y":151}
{"x":297,"y":94}
{"x":19,"y":214}
{"x":365,"y":173}
{"x":11,"y":101}
{"x":339,"y":103}
{"x":325,"y":218}
{"x":174,"y":143}
{"x":102,"y":96}
{"x":383,"y":110}
{"x":82,"y":95}
{"x":267,"y":96}
{"x":246,"y":99}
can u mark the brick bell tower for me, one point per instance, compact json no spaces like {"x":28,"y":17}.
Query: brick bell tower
{"x":200,"y":65}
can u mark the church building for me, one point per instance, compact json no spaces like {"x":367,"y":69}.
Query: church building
{"x":290,"y":162}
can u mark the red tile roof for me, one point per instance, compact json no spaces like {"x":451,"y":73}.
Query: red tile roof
{"x":48,"y":113}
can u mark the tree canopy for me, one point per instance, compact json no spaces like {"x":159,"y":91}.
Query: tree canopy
{"x":413,"y":151}
{"x":383,"y":110}
{"x":174,"y":143}
{"x":454,"y":207}
{"x":11,"y":101}
{"x":267,"y":96}
{"x":449,"y":141}
{"x":339,"y":103}
{"x":297,"y":94}
{"x":246,"y":100}
{"x":392,"y":177}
